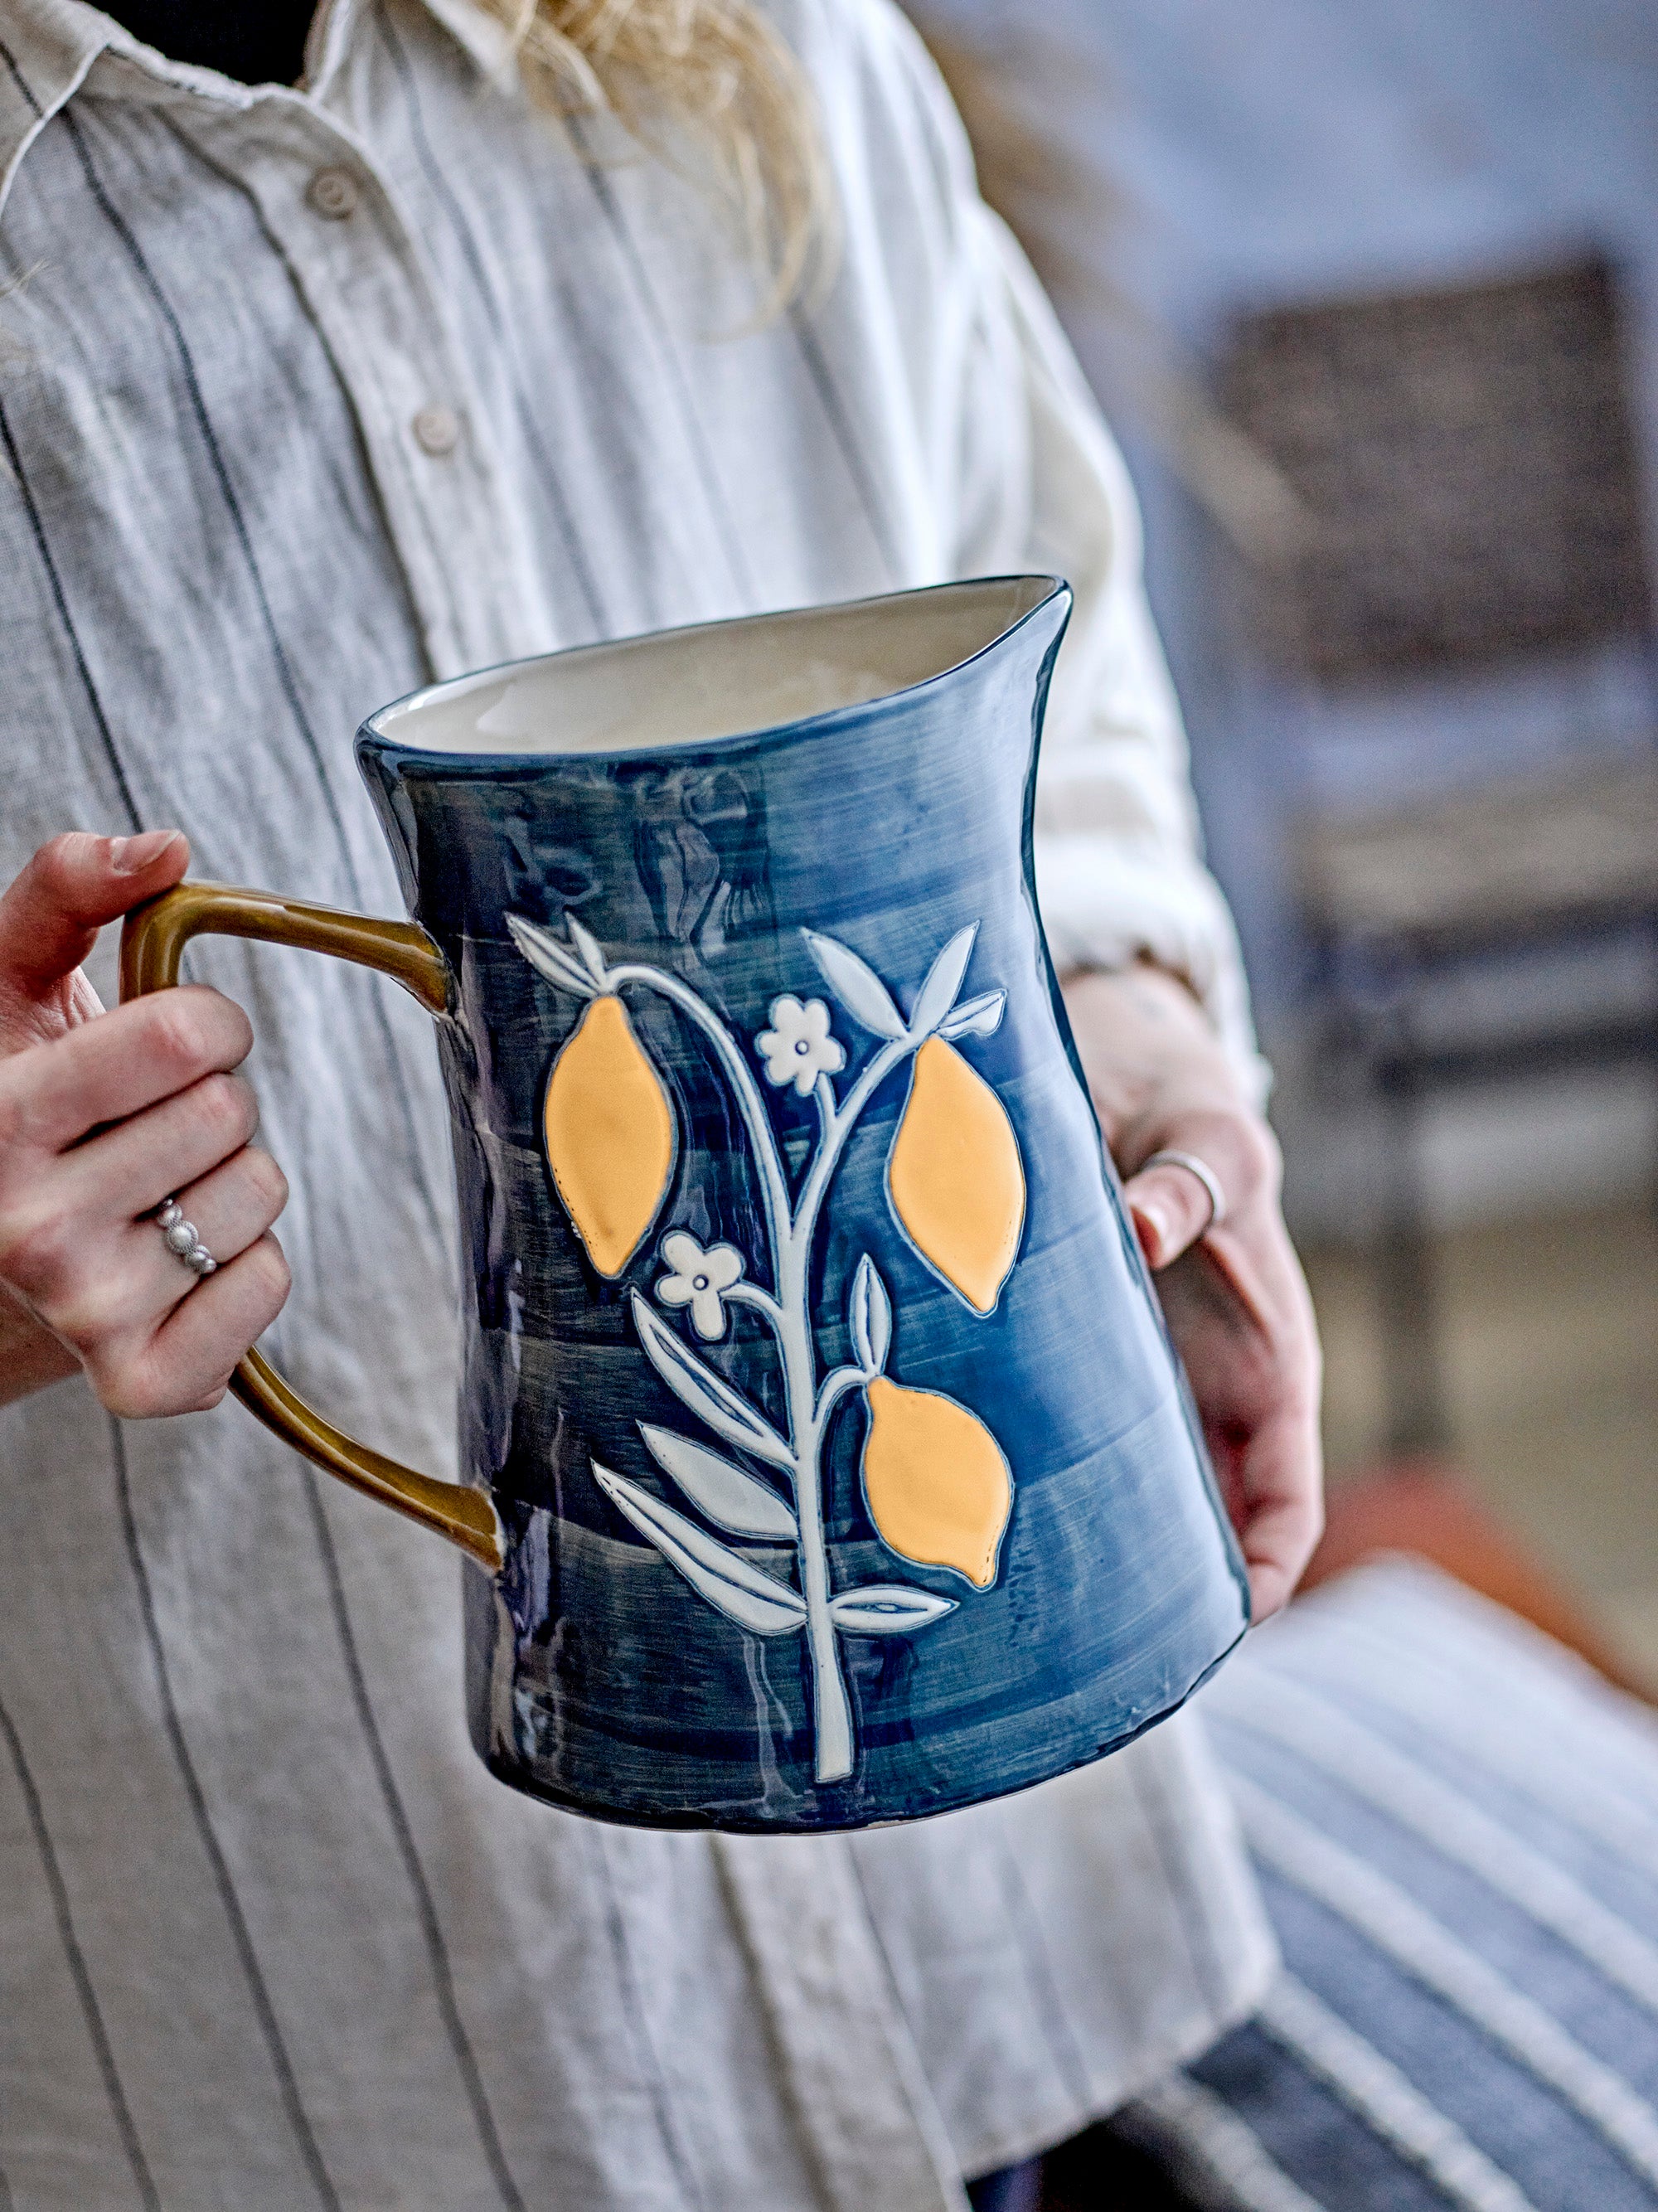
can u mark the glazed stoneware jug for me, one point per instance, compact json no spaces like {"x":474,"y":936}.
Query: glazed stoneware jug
{"x":825,"y":1459}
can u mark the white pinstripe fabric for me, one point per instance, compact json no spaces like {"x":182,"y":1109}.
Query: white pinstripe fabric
{"x":1334,"y":1744}
{"x":270,"y":1936}
{"x":1454,"y":1820}
{"x":1400,"y":1676}
{"x":1225,"y":2151}
{"x":1369,"y":1901}
{"x":1385,"y":2100}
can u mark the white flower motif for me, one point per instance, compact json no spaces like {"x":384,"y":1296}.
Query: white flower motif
{"x":700,"y":1281}
{"x":798,"y":1048}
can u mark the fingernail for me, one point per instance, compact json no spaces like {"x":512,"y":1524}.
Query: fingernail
{"x":129,"y":856}
{"x":1153,"y":1226}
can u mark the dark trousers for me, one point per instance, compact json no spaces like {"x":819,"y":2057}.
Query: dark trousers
{"x":1012,"y":2189}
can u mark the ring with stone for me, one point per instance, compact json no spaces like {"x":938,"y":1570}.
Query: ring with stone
{"x":181,"y":1239}
{"x":1205,"y":1173}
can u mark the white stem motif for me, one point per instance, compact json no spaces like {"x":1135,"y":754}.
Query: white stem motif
{"x":725,"y":1493}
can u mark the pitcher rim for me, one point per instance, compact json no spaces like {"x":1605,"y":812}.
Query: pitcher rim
{"x":372,"y":735}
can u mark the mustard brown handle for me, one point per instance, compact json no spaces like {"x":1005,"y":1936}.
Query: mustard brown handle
{"x":153,"y":940}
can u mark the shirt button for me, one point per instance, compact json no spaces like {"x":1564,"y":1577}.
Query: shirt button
{"x":437,"y":431}
{"x":334,"y":193}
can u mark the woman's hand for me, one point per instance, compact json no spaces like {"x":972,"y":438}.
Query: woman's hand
{"x":1235,"y":1298}
{"x":104,"y":1115}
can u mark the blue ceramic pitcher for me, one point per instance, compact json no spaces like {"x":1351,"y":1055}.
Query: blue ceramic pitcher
{"x":825,"y":1458}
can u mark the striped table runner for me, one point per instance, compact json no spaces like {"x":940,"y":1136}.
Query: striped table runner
{"x":1456,"y":1824}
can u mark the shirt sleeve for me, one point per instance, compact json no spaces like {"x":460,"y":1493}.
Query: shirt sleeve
{"x":1024,"y":475}
{"x":1120,"y":868}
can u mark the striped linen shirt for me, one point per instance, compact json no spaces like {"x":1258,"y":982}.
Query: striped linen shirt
{"x":307,"y":398}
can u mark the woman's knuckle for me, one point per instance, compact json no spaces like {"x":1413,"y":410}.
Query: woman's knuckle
{"x":175,"y":1035}
{"x":225,"y":1109}
{"x":268,"y":1183}
{"x":225,"y":1027}
{"x":268,"y":1271}
{"x":54,"y":864}
{"x":133,"y":1389}
{"x":1261,"y":1162}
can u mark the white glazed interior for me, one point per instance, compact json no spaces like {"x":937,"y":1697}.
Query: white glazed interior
{"x":718,"y":680}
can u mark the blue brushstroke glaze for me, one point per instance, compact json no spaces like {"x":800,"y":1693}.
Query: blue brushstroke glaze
{"x":599,"y":1678}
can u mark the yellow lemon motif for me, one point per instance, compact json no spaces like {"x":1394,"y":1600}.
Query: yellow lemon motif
{"x":937,"y":1487}
{"x":957,"y":1180}
{"x":610,"y":1134}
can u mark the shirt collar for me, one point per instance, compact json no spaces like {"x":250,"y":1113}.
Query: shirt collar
{"x":47,"y":47}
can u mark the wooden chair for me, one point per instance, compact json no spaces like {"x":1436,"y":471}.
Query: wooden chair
{"x":1464,"y":470}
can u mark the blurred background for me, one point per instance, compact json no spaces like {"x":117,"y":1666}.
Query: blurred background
{"x":1370,"y":296}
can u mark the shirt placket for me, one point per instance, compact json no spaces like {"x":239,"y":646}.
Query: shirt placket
{"x":454,"y":524}
{"x":845,"y":2055}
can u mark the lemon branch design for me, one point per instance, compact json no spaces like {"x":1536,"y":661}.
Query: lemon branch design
{"x":935,"y":1480}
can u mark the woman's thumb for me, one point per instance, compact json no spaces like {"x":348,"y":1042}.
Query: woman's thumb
{"x":50,"y":916}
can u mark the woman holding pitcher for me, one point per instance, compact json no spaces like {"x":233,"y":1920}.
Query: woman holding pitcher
{"x":338,"y":356}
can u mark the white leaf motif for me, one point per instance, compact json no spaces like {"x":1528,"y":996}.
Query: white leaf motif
{"x":709,"y":1396}
{"x":549,"y":957}
{"x":740,"y":1591}
{"x":856,"y":985}
{"x":887,"y":1609}
{"x":944,"y":978}
{"x":730,"y":1498}
{"x":587,"y":945}
{"x":975,"y":1016}
{"x":870,"y":1317}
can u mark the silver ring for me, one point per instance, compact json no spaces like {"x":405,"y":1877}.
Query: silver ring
{"x":181,"y":1239}
{"x":1205,"y":1173}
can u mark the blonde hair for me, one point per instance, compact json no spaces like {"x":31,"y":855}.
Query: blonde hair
{"x":708,"y":77}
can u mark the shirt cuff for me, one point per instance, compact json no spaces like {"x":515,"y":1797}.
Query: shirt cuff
{"x":1105,"y":910}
